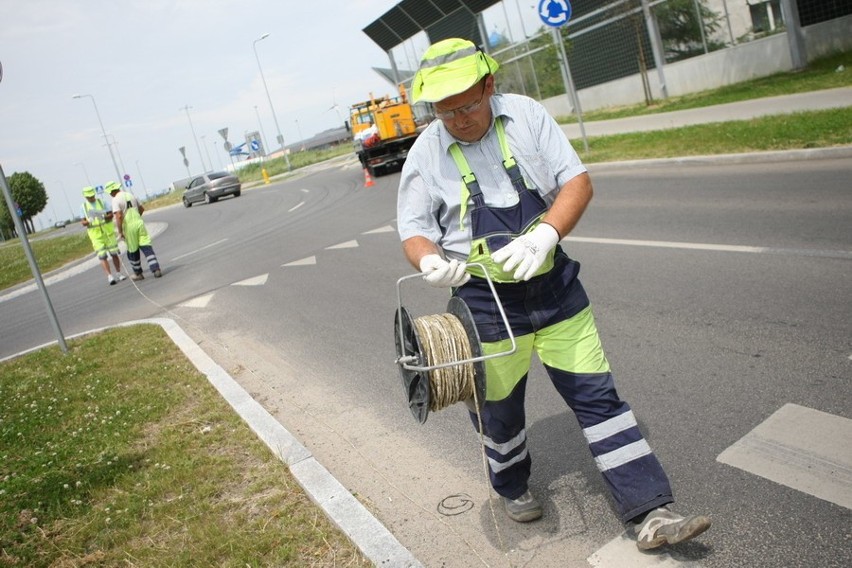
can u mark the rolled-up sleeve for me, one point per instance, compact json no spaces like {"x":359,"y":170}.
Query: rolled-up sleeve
{"x":554,"y":147}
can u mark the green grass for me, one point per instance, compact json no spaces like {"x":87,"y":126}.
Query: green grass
{"x":163,"y":200}
{"x":49,"y":254}
{"x":137,"y":461}
{"x":820,"y":74}
{"x":278,"y":166}
{"x":816,"y":129}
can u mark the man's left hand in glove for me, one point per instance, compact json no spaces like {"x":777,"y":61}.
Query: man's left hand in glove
{"x":527,"y":253}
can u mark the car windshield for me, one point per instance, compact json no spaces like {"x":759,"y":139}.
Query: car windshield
{"x":218,"y":175}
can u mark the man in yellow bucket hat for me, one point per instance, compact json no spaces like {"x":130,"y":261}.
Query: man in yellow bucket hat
{"x":494,"y":181}
{"x":97,"y":219}
{"x":131,"y":228}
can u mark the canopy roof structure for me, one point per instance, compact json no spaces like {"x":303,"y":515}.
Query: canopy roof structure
{"x":440,"y":19}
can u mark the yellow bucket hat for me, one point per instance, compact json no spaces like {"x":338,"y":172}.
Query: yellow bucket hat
{"x":89,"y":191}
{"x":449,"y":67}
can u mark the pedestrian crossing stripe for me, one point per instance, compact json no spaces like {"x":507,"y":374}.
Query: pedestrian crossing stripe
{"x":801,"y":448}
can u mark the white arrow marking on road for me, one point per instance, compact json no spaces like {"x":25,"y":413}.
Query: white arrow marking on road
{"x":199,"y":302}
{"x":302,"y":262}
{"x":801,"y":448}
{"x":346,"y":245}
{"x":385,"y":229}
{"x":621,"y":552}
{"x":254,"y":281}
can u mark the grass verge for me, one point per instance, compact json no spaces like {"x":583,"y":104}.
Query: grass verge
{"x":816,"y":129}
{"x":136,"y":460}
{"x":820,"y":74}
{"x":49,"y":254}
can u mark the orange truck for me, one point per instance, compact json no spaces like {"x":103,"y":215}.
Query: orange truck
{"x":383,"y":131}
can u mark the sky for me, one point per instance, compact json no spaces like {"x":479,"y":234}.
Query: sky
{"x":144,"y":61}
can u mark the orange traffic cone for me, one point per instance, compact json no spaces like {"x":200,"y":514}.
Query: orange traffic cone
{"x":368,"y":180}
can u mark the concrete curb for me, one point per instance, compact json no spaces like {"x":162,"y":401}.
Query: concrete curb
{"x":371,"y":537}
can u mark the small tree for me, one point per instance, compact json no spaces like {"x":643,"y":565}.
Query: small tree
{"x":29,"y":193}
{"x":7,"y":226}
{"x":546,"y":61}
{"x":680,"y":28}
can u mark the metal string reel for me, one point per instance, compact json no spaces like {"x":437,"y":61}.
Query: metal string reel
{"x":440,"y":356}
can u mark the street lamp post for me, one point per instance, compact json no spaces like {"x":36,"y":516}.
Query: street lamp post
{"x":262,"y":132}
{"x":301,"y":138}
{"x":103,"y":131}
{"x":67,"y":202}
{"x":144,"y":185}
{"x":85,"y":171}
{"x":272,"y":108}
{"x":206,"y":151}
{"x":218,"y":157}
{"x":120,"y":159}
{"x":197,"y":145}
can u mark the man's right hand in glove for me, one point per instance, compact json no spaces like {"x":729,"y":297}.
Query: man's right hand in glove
{"x":442,"y":273}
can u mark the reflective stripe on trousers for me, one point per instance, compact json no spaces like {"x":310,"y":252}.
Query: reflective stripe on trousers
{"x":551,"y":315}
{"x":135,"y":259}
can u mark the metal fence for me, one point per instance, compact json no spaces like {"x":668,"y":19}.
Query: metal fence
{"x":609,"y":40}
{"x":816,"y":11}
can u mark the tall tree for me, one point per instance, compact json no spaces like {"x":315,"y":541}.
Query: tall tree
{"x":29,"y":193}
{"x":7,"y":226}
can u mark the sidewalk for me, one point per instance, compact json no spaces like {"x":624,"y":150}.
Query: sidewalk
{"x":742,"y":110}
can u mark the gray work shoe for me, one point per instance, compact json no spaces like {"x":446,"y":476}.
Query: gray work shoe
{"x":662,"y":526}
{"x":524,"y":509}
{"x":157,"y":273}
{"x":135,"y":276}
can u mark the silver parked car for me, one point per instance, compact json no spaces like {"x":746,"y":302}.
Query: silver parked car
{"x":210,"y":187}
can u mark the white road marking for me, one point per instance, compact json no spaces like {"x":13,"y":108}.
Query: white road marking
{"x":199,"y":302}
{"x":385,"y":229}
{"x":254,"y":281}
{"x":303,"y":262}
{"x":714,"y":247}
{"x":305,"y":190}
{"x":801,"y":448}
{"x":295,"y":207}
{"x":346,"y":245}
{"x":621,"y":552}
{"x":199,"y":250}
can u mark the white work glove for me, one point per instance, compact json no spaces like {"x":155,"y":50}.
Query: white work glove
{"x":527,"y":252}
{"x":441,"y":273}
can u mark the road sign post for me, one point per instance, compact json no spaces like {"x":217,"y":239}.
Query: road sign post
{"x":28,"y":252}
{"x":557,"y":13}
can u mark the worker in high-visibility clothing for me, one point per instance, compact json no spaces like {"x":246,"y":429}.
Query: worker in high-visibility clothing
{"x":131,"y":228}
{"x":98,"y":221}
{"x":495,"y":181}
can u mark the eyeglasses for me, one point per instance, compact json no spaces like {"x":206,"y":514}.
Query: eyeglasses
{"x":467,"y":109}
